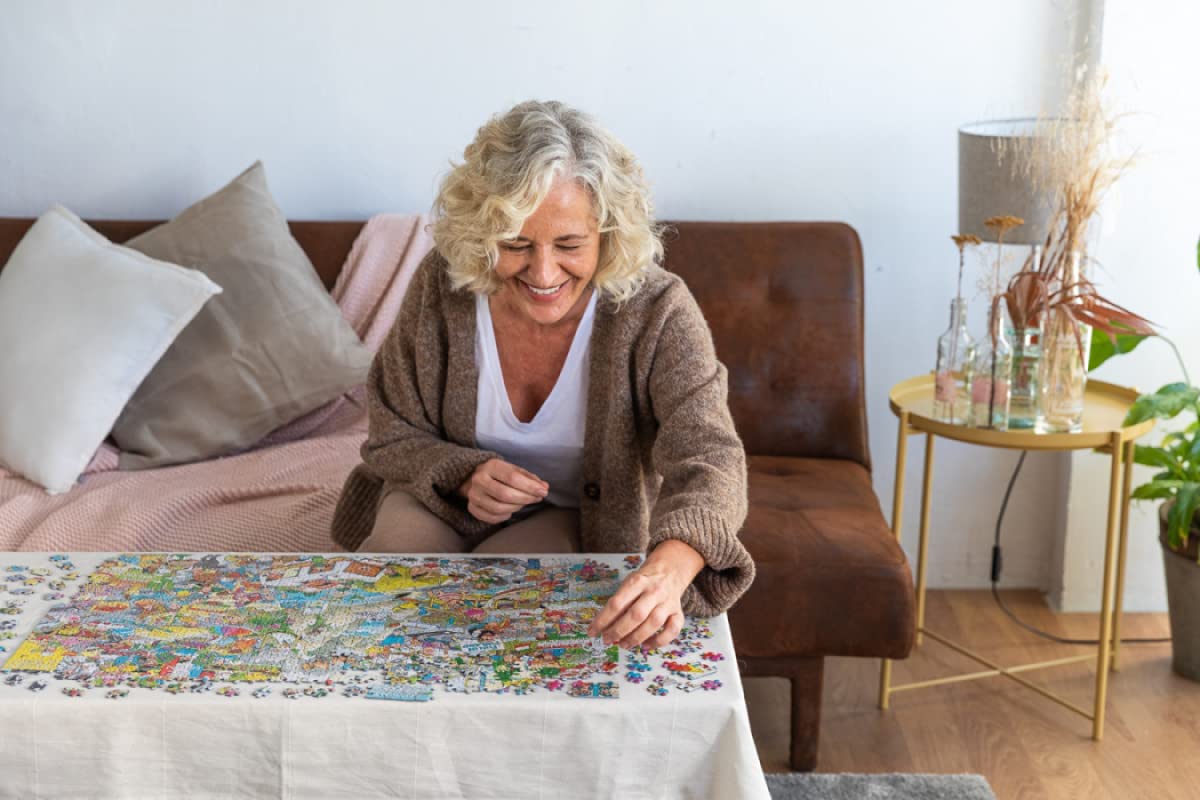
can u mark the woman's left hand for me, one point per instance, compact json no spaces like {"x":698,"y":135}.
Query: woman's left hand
{"x":647,"y":608}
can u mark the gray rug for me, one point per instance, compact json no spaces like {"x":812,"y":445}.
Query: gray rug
{"x":884,"y":786}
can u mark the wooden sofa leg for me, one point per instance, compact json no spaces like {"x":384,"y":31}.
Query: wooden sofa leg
{"x":806,"y":681}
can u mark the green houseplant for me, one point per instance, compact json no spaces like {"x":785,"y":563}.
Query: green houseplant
{"x":1177,"y":486}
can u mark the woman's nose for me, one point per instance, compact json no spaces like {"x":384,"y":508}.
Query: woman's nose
{"x":542,"y":268}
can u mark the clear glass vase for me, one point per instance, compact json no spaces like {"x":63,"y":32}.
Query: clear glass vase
{"x":1023,"y":395}
{"x":955,"y":360}
{"x":1026,"y":339}
{"x":991,"y":377}
{"x":1066,"y":347}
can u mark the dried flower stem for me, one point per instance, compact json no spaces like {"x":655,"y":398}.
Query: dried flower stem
{"x":962,"y":241}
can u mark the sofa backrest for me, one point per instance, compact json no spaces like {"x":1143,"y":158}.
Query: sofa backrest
{"x":785,"y":304}
{"x":784,"y":301}
{"x":326,"y":243}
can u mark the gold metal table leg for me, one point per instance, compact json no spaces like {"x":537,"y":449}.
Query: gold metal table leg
{"x":1106,"y":602}
{"x":885,"y":667}
{"x":1119,"y":597}
{"x":923,"y":547}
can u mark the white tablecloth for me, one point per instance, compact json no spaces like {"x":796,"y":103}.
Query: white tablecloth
{"x":544,"y":744}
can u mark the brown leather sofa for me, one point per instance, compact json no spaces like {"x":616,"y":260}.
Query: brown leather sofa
{"x":785,"y":303}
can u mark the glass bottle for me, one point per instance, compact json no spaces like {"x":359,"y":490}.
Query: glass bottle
{"x":1066,"y":347}
{"x":990,"y":380}
{"x":1027,"y":353}
{"x":955,"y":358}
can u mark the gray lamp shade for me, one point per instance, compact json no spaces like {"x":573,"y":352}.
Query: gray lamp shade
{"x":989,"y":187}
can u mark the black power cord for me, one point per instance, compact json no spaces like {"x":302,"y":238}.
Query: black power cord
{"x":997,"y":566}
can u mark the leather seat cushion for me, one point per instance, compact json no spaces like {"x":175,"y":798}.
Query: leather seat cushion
{"x":832,"y":580}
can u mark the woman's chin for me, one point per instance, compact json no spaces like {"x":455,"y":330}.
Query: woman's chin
{"x":546,"y":315}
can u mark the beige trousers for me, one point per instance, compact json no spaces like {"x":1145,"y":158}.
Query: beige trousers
{"x":404,"y":525}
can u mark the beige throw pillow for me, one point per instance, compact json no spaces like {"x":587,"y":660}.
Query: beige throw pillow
{"x":271,"y":347}
{"x":82,"y":321}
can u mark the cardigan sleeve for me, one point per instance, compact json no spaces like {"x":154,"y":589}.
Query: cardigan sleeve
{"x":697,"y":452}
{"x":406,"y":443}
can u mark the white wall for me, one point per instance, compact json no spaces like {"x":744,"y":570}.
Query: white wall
{"x":755,"y":110}
{"x":1148,"y":246}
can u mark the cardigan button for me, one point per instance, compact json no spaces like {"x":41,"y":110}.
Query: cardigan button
{"x":592,"y":490}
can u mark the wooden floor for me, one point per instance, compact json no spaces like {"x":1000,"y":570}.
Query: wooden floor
{"x":1025,"y":745}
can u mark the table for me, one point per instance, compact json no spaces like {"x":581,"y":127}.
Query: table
{"x":256,"y":675}
{"x":1105,"y":408}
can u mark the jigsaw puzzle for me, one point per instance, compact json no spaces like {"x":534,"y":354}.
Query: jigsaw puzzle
{"x":461,"y":624}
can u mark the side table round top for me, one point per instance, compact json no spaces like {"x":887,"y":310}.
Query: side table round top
{"x":1104,"y":408}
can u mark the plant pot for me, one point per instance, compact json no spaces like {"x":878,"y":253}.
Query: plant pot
{"x":1183,"y":599}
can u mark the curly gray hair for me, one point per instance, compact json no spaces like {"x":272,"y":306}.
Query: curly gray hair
{"x":509,"y":169}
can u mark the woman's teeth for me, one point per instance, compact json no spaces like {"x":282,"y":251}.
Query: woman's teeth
{"x":551,"y":290}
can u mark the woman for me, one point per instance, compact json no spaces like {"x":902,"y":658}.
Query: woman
{"x":547,"y":387}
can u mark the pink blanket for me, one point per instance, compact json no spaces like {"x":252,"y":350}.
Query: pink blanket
{"x":276,"y":497}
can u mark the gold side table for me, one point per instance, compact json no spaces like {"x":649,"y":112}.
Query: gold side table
{"x":1105,"y":408}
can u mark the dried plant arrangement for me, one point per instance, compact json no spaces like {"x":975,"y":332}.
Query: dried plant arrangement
{"x":1072,"y":161}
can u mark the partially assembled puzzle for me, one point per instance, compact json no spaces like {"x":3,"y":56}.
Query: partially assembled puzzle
{"x":381,"y":627}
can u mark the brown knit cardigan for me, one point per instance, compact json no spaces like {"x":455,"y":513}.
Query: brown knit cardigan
{"x":661,"y":457}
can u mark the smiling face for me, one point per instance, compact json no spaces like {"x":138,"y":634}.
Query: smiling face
{"x":547,"y":270}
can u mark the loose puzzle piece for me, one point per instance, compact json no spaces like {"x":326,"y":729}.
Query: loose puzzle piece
{"x":407,"y":692}
{"x":686,"y":669}
{"x":597,"y":689}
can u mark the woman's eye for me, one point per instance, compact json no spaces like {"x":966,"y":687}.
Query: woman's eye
{"x":568,"y":247}
{"x":515,"y":248}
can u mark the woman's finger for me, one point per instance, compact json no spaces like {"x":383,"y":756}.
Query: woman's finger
{"x":520,"y":480}
{"x":503,"y":493}
{"x":654,"y":622}
{"x":634,"y":617}
{"x":629,"y":591}
{"x":494,"y":506}
{"x":485,"y":516}
{"x":669,"y":632}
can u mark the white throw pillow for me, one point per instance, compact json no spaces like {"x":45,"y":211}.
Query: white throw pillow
{"x":82,"y":321}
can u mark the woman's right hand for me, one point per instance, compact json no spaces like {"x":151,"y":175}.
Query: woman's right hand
{"x":497,"y":489}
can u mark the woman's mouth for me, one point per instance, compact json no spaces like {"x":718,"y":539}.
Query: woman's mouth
{"x":544,"y":295}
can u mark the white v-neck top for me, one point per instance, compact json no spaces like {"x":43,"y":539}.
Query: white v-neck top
{"x":551,"y":444}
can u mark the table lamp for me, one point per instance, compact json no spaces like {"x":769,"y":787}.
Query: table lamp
{"x":989,"y":186}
